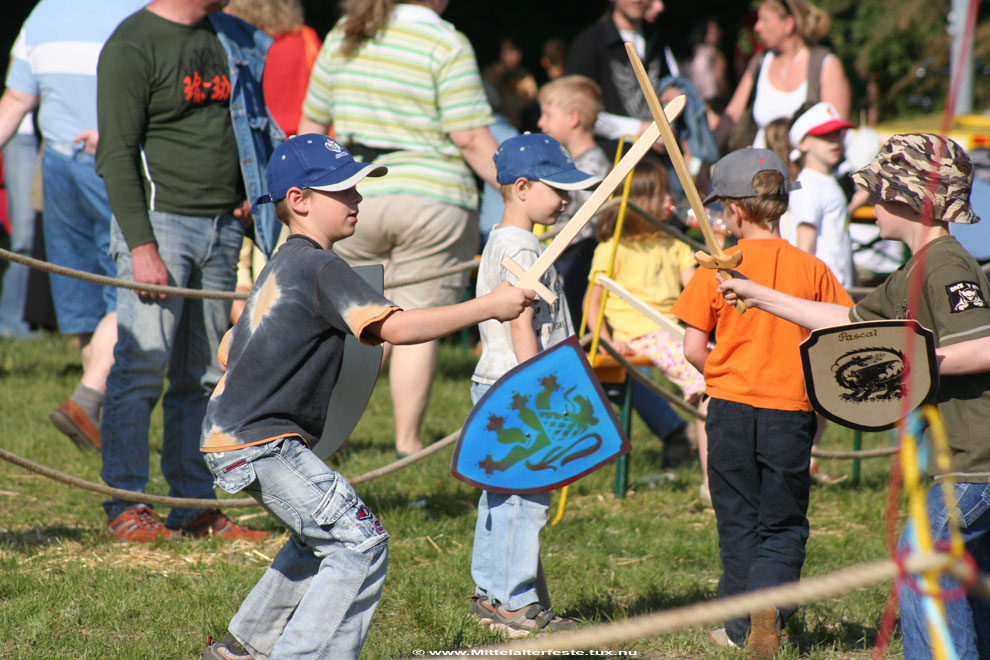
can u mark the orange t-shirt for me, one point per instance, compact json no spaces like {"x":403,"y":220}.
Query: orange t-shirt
{"x":756,"y":360}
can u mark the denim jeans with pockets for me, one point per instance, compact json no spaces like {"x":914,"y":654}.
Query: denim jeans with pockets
{"x":319,"y":595}
{"x":175,"y":337}
{"x":968,"y":618}
{"x":506,"y":549}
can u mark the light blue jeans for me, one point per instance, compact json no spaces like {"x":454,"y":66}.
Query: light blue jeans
{"x":319,"y":595}
{"x":507,"y":541}
{"x":177,"y":337}
{"x":77,"y":235}
{"x":19,"y":158}
{"x":968,"y":618}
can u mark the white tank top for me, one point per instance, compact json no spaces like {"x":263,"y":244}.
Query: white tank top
{"x":771,"y":103}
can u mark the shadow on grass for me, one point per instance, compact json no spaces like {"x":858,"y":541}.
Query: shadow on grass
{"x":605,"y":608}
{"x":40,"y":536}
{"x":843,"y":635}
{"x":435,"y":506}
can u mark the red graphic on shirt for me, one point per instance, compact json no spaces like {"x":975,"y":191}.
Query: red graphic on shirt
{"x":220,"y":89}
{"x":196,"y":89}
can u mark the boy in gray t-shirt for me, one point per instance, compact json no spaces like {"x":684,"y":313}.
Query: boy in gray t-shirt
{"x":536,"y":174}
{"x":283,"y":359}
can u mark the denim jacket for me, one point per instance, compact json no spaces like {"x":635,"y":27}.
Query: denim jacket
{"x":256,"y":132}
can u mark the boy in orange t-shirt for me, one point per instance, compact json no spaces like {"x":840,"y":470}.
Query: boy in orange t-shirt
{"x":760,"y":424}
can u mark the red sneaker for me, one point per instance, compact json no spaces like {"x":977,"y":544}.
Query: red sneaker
{"x":140,"y":525}
{"x":214,"y":523}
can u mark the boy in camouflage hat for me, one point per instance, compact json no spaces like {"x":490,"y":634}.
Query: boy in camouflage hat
{"x":922,"y":182}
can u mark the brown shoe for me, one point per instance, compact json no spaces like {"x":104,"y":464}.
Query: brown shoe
{"x":764,"y":639}
{"x":72,"y":420}
{"x":214,"y":523}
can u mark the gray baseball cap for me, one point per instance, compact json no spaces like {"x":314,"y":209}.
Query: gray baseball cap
{"x":732,"y":175}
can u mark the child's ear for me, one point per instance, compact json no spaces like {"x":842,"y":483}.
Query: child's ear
{"x":520,"y":188}
{"x":296,"y":200}
{"x":573,"y":118}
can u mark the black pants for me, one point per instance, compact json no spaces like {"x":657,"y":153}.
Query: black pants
{"x":758,"y":462}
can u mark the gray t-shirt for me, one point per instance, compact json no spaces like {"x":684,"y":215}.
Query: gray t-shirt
{"x":551,"y":323}
{"x":284,"y":355}
{"x":593,"y":161}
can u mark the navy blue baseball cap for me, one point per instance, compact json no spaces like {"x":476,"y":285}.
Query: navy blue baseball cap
{"x":539,"y":157}
{"x":313,"y":161}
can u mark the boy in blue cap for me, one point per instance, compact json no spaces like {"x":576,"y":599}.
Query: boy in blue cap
{"x":282,"y":361}
{"x":535,"y":173}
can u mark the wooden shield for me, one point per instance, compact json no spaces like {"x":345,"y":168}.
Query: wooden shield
{"x":869,"y":375}
{"x":356,"y":382}
{"x":544,"y":424}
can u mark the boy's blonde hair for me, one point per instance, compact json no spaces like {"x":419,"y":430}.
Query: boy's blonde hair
{"x":574,"y":92}
{"x":282,"y":210}
{"x":766,"y":208}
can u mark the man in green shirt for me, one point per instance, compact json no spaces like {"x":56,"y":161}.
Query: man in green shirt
{"x":184,"y":140}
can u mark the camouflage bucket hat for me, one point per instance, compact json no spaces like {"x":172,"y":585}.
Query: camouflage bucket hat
{"x":930,"y":173}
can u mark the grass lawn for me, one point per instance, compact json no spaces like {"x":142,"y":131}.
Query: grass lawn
{"x":68,"y":590}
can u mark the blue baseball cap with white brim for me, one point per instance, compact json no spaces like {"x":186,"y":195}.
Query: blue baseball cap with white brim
{"x":539,"y":157}
{"x":313,"y":161}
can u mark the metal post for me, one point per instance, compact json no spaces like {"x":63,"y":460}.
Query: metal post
{"x":857,"y":445}
{"x":622,"y":463}
{"x":957,"y":18}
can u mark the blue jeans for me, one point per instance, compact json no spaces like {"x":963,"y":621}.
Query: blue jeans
{"x":968,"y":618}
{"x":77,"y":235}
{"x":506,"y":549}
{"x":19,"y":158}
{"x":175,"y":336}
{"x":758,"y":462}
{"x":319,"y":595}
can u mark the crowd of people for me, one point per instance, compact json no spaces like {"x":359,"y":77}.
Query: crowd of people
{"x":188,"y":146}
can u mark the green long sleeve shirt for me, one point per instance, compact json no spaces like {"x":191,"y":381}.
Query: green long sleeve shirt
{"x":166,"y":138}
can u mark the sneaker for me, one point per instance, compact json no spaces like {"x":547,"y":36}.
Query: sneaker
{"x":72,"y":420}
{"x":140,"y":525}
{"x":719,"y":637}
{"x":764,"y":636}
{"x":530,"y":619}
{"x":214,"y":523}
{"x":226,"y":649}
{"x":482,"y":609}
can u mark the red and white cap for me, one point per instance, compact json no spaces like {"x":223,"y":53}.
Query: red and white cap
{"x":820,"y":119}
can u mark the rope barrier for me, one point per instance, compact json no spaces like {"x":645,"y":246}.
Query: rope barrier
{"x":680,"y":403}
{"x":713,"y":612}
{"x":203,"y":503}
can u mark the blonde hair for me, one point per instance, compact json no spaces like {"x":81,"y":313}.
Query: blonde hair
{"x":649,"y":185}
{"x":768,"y":205}
{"x":273,"y":17}
{"x":811,"y":22}
{"x":574,"y":92}
{"x":282,"y":210}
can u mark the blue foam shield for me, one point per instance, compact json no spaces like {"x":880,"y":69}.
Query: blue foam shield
{"x":542,"y":425}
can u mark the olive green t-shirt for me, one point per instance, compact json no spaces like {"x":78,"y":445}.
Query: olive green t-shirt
{"x":166,"y":136}
{"x":955,"y":305}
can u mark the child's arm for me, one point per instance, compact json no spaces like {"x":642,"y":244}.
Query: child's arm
{"x":966,"y":357}
{"x":807,"y":237}
{"x":808,"y":314}
{"x":686,"y":275}
{"x":696,"y":347}
{"x":415,"y":326}
{"x":594,"y":304}
{"x":524,"y":343}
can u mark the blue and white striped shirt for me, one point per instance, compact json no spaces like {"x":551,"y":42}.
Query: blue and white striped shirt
{"x":55,"y":56}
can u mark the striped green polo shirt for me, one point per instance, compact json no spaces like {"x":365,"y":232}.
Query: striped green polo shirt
{"x":405,"y":90}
